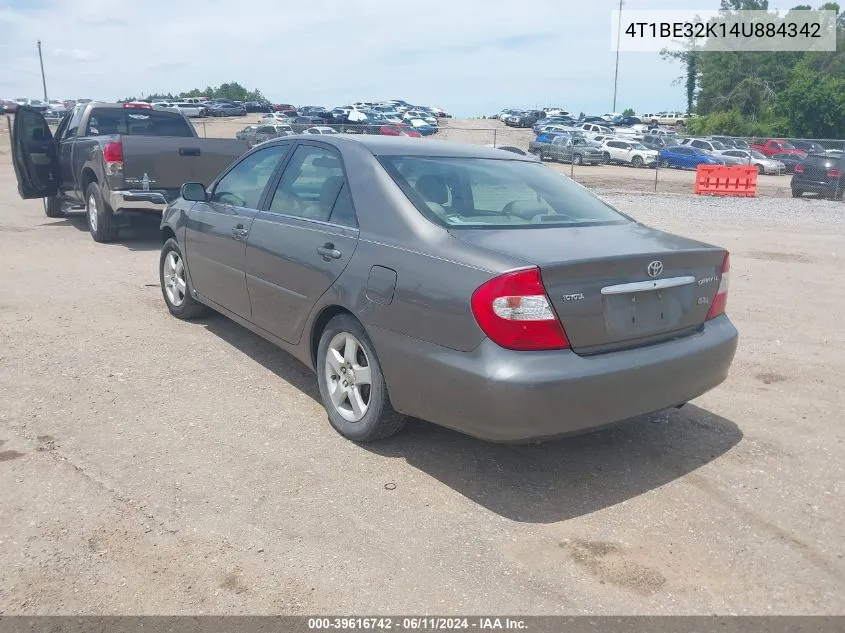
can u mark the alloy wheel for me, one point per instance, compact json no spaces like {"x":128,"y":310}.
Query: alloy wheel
{"x":173,"y":273}
{"x":348,"y":376}
{"x":92,"y":213}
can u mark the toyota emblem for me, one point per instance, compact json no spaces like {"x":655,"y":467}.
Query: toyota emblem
{"x":655,"y":269}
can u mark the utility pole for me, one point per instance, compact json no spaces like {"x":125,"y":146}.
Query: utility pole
{"x":43,"y":79}
{"x":618,"y":40}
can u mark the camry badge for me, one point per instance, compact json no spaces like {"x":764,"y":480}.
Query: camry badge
{"x":655,"y":269}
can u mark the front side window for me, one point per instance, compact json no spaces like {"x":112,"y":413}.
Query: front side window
{"x":488,"y":193}
{"x":243,"y":185}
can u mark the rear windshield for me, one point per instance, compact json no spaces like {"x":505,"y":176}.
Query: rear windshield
{"x":140,"y":122}
{"x":488,"y":193}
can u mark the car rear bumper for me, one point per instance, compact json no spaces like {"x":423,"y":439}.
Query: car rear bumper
{"x":829,"y":188}
{"x":506,"y":396}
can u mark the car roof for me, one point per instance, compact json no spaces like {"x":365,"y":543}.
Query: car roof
{"x":407,"y":146}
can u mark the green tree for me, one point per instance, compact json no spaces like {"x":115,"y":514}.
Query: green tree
{"x":628,"y":112}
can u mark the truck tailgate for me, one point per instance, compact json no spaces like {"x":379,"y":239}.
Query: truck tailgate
{"x":166,"y":162}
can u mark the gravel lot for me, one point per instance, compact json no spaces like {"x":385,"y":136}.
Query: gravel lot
{"x":149,"y":465}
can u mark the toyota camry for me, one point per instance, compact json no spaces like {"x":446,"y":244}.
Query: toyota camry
{"x":459,"y":284}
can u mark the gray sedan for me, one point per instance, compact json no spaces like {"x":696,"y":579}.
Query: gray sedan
{"x":459,"y":284}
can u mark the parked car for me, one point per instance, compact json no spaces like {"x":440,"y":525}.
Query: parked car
{"x":515,"y":150}
{"x":189,"y":109}
{"x":789,"y":161}
{"x":302,"y":123}
{"x":255,"y":134}
{"x":764,"y":164}
{"x":811,"y":147}
{"x":566,"y":149}
{"x":7,"y":106}
{"x":525,"y":118}
{"x":115,"y":160}
{"x":686,"y":157}
{"x":538,"y":300}
{"x":591,"y":129}
{"x":399,"y":129}
{"x":37,"y":104}
{"x":823,"y":174}
{"x":257,"y":106}
{"x":422,"y":127}
{"x":628,"y":153}
{"x":226,"y":109}
{"x":321,"y":130}
{"x":659,"y":142}
{"x":777,"y":146}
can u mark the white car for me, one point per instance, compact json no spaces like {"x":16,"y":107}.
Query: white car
{"x":275,"y":117}
{"x":320,"y":129}
{"x":592,"y":129}
{"x":763,"y":163}
{"x":188,"y":109}
{"x":630,"y":153}
{"x":57,"y":106}
{"x":557,"y":112}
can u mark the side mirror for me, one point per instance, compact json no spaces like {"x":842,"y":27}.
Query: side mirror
{"x":194,"y":192}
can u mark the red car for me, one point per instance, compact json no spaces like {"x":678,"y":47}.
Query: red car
{"x":399,"y":129}
{"x":777,"y":146}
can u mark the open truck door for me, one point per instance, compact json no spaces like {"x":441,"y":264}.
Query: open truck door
{"x":34,"y":155}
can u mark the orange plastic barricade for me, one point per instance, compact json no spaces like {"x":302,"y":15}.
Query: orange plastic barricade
{"x":718,"y":180}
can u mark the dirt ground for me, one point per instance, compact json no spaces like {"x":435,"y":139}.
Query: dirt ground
{"x":153,"y":466}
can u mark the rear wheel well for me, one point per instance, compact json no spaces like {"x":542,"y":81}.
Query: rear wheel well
{"x":167,"y":233}
{"x":320,"y":323}
{"x":86,"y":179}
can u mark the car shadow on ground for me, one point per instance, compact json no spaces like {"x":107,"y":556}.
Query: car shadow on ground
{"x":141,"y":235}
{"x":535,"y":483}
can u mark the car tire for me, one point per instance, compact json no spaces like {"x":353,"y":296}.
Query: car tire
{"x":371,"y":417}
{"x":175,"y":285}
{"x":637,"y":162}
{"x":100,"y":216}
{"x":760,"y":169}
{"x":578,"y":159}
{"x":664,"y":164}
{"x":797,"y":193}
{"x":53,"y":207}
{"x":606,"y":157}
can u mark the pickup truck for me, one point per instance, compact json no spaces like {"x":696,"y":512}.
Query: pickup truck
{"x":114,"y":160}
{"x":543,"y":140}
{"x":774,"y":146}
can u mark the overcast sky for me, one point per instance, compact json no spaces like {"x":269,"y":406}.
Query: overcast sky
{"x":471,"y":57}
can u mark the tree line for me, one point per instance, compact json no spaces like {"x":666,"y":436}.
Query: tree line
{"x":230,"y":90}
{"x":786,"y":93}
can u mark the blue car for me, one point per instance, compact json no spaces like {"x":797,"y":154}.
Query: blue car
{"x":686,"y":157}
{"x":426,"y":130}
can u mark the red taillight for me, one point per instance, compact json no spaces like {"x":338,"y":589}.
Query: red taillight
{"x":113,"y":152}
{"x":720,"y":301}
{"x":141,"y":106}
{"x":113,"y":158}
{"x":515,"y":312}
{"x":833,"y":173}
{"x":799,"y":168}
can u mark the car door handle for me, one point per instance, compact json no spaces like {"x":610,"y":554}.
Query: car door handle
{"x":239,"y":233}
{"x":328,"y":251}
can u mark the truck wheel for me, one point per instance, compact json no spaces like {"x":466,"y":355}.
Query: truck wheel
{"x":100,"y":216}
{"x":578,"y":159}
{"x":174,"y":283}
{"x":53,"y":207}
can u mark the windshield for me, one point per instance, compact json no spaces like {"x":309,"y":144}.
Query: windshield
{"x":488,"y":193}
{"x":718,"y":145}
{"x":756,"y":154}
{"x":129,"y":121}
{"x":786,"y":145}
{"x":638,"y":146}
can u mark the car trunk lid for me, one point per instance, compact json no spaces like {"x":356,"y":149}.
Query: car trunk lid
{"x":617,"y":286}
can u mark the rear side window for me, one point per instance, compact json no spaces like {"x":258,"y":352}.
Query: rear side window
{"x":489,"y":193}
{"x":105,"y":121}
